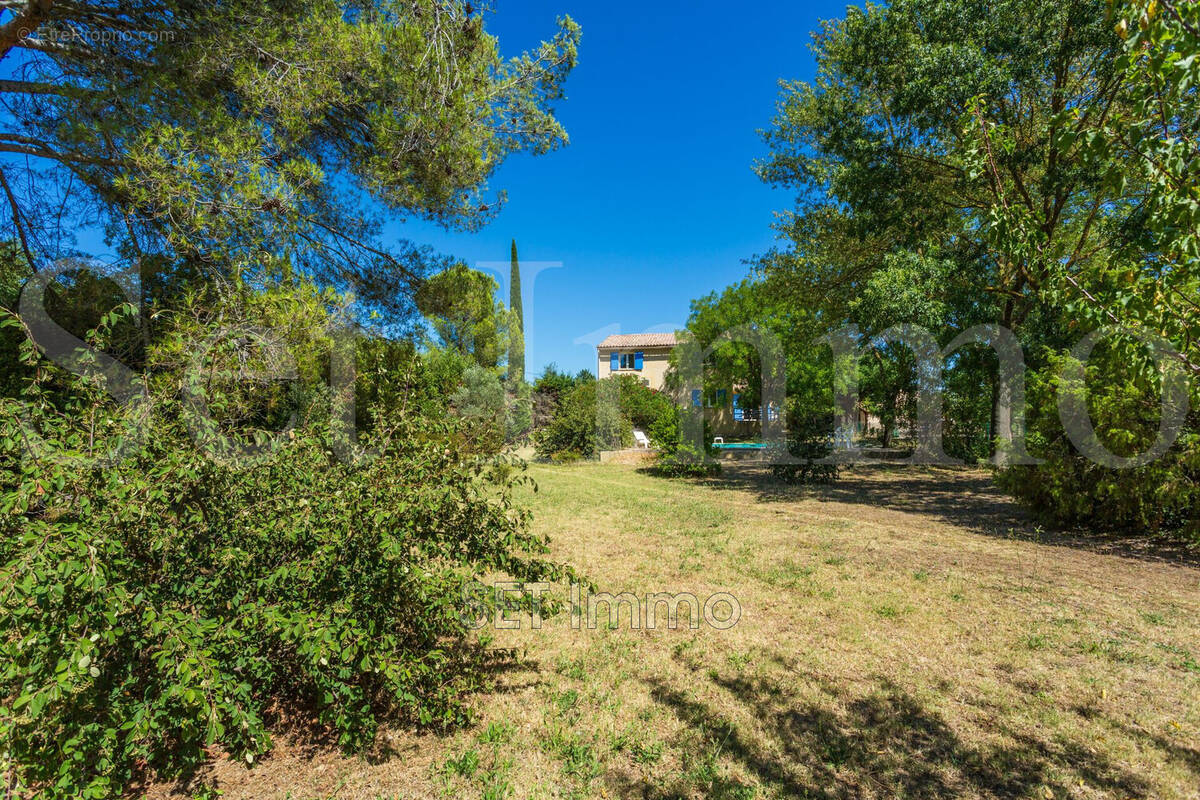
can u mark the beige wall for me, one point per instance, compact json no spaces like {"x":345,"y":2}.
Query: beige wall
{"x":655,"y":361}
{"x":721,"y":423}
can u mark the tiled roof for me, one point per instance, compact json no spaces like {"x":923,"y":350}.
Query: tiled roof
{"x":639,"y":340}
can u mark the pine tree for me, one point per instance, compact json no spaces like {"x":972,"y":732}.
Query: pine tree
{"x":516,"y":341}
{"x":234,"y":135}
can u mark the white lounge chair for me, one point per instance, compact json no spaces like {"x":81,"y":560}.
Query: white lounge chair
{"x":641,"y":440}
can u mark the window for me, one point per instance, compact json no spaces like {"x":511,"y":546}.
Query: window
{"x":631,"y":361}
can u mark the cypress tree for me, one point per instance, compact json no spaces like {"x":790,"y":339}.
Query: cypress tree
{"x":516,"y":346}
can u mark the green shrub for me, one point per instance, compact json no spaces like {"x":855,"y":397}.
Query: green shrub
{"x":644,"y":407}
{"x":685,"y":461}
{"x":806,"y":472}
{"x":480,"y":402}
{"x":572,"y":432}
{"x":665,"y":431}
{"x":1069,"y":489}
{"x":555,"y":384}
{"x":393,"y":377}
{"x":676,"y":458}
{"x":808,"y":443}
{"x":169,"y":601}
{"x":599,"y":415}
{"x":518,"y":412}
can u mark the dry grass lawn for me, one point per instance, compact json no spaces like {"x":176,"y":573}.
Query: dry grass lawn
{"x":905,"y":633}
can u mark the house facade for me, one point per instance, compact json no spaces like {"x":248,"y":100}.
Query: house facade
{"x":643,"y":355}
{"x":648,"y":356}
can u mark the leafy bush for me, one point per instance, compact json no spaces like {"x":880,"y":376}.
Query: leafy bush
{"x":170,"y":601}
{"x":809,"y":442}
{"x":597,"y":415}
{"x":806,"y":472}
{"x":685,"y":461}
{"x":644,"y":407}
{"x":572,"y":433}
{"x":665,"y":431}
{"x":392,"y":377}
{"x":554,"y":383}
{"x":1069,"y":489}
{"x":518,"y":412}
{"x":676,"y":458}
{"x":594,"y":416}
{"x":480,"y":401}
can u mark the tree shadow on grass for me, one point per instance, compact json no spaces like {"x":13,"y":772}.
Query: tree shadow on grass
{"x":847,"y":743}
{"x":964,"y":497}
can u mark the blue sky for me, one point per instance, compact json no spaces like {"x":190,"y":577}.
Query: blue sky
{"x":654,"y":202}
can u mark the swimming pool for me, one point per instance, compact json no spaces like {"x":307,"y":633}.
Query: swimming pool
{"x":738,"y":445}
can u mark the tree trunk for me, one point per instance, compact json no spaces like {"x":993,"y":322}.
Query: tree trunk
{"x":1000,"y":427}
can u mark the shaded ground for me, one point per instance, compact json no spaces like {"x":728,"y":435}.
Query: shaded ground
{"x":905,"y":633}
{"x":966,"y":498}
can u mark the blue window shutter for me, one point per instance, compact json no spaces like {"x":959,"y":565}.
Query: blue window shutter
{"x":737,"y":400}
{"x":614,"y":361}
{"x":637,"y":360}
{"x":696,"y":398}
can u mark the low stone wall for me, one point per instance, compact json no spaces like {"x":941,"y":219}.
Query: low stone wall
{"x":631,"y":456}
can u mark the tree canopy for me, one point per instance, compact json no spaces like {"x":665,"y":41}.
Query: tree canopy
{"x":1033,"y":166}
{"x":236,"y":139}
{"x":461,"y":307}
{"x":880,"y":151}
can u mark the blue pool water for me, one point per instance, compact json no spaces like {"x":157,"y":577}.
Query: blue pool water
{"x":739,"y":446}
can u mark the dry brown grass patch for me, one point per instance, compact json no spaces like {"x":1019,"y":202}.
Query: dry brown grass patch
{"x":904,"y":633}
